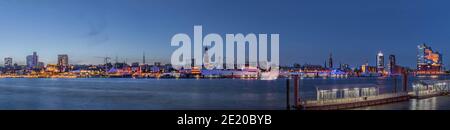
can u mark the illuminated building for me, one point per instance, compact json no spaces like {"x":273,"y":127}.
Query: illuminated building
{"x":428,"y":61}
{"x":195,"y":71}
{"x":380,"y":62}
{"x":51,"y":68}
{"x":368,"y":69}
{"x":135,"y":67}
{"x":63,"y":62}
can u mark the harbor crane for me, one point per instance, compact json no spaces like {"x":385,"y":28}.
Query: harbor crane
{"x":106,"y":59}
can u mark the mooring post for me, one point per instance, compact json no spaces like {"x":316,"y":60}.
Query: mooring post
{"x":296,"y":91}
{"x":288,"y":106}
{"x":395,"y":84}
{"x":405,"y":81}
{"x":298,"y":88}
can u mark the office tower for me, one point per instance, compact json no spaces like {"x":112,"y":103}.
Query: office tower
{"x":8,"y":62}
{"x":35,"y":59}
{"x":30,"y":61}
{"x":392,"y":63}
{"x":380,"y":62}
{"x":63,"y":60}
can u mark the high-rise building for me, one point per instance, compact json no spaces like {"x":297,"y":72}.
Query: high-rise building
{"x":392,"y":63}
{"x":8,"y":62}
{"x":63,"y":60}
{"x":35,"y":59}
{"x":380,"y":62}
{"x":428,"y":61}
{"x":30,"y":61}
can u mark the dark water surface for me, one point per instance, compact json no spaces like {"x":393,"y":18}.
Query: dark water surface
{"x":176,"y":94}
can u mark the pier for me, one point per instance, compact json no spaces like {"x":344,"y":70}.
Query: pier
{"x":362,"y":95}
{"x":347,"y":103}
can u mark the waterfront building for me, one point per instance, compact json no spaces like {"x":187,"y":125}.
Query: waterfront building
{"x":428,"y":61}
{"x":63,"y":62}
{"x":315,"y":71}
{"x":135,"y":67}
{"x":369,"y":71}
{"x":51,"y":68}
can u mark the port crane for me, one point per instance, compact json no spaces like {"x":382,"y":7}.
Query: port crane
{"x":105,"y":59}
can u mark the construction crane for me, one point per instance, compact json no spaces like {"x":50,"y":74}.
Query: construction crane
{"x":106,"y":59}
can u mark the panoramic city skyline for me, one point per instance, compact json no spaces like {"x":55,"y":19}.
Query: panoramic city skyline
{"x":354,"y":32}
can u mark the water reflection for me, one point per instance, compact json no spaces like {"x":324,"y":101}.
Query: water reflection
{"x":423,"y":104}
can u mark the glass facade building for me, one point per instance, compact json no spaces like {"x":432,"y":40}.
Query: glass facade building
{"x":428,"y":61}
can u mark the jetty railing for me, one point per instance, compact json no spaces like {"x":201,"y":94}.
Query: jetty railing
{"x":351,"y":100}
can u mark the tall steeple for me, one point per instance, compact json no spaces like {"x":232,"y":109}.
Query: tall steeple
{"x":143,"y":58}
{"x":330,"y":61}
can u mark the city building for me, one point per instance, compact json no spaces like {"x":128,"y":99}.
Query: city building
{"x":428,"y":61}
{"x":158,"y":64}
{"x":135,"y":67}
{"x":392,"y":64}
{"x":8,"y":62}
{"x":63,"y":62}
{"x":40,"y":65}
{"x":380,"y":62}
{"x":30,"y":61}
{"x":35,"y":59}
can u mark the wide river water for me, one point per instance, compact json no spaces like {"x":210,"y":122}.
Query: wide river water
{"x":180,"y":94}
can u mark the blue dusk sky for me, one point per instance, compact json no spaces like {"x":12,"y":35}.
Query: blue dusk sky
{"x":353,"y":30}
